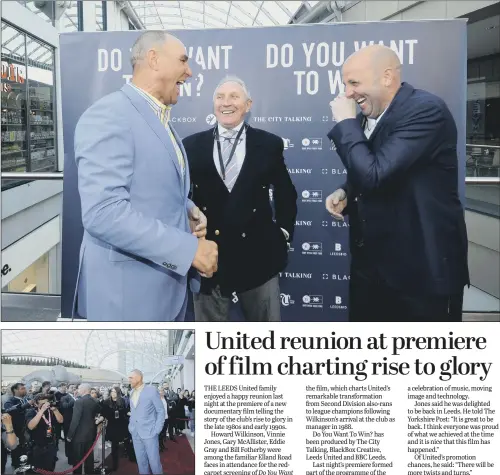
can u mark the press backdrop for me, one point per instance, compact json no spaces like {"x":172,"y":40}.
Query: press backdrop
{"x":292,"y":72}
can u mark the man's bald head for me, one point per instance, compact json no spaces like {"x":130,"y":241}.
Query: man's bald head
{"x":136,"y":378}
{"x":379,"y":57}
{"x":160,"y":65}
{"x":372,"y":77}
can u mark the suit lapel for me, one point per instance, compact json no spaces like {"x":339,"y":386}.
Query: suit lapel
{"x":401,"y":96}
{"x":207,"y":160}
{"x":152,"y":120}
{"x":186,"y":165}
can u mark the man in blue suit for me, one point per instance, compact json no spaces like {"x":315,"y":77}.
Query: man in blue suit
{"x":142,"y":237}
{"x":407,"y":229}
{"x":147,"y":417}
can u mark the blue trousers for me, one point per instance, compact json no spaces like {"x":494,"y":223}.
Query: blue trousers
{"x":147,"y":452}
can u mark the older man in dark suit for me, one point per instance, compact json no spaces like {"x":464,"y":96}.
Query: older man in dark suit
{"x":408,"y":234}
{"x":232,"y":168}
{"x":83,"y":429}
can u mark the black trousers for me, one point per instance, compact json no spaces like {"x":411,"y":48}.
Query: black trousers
{"x":372,"y":300}
{"x":79,"y":449}
{"x":45,"y":457}
{"x":115,"y":452}
{"x":20,"y":450}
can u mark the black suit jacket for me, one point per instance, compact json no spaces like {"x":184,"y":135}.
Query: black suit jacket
{"x":402,"y":185}
{"x":252,"y":247}
{"x":83,"y":428}
{"x":67,"y":404}
{"x":17,"y":411}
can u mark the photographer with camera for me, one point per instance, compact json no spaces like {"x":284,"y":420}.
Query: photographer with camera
{"x":16,"y":406}
{"x":41,"y":424}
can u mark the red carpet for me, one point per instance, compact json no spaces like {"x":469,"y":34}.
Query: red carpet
{"x":177,"y":459}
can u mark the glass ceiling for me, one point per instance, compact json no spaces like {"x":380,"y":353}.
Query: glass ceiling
{"x":120,"y":350}
{"x":178,"y":15}
{"x":14,"y":46}
{"x":170,"y":15}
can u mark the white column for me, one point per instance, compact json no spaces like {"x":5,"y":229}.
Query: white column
{"x":55,"y":270}
{"x":188,"y":375}
{"x":117,"y":20}
{"x":89,"y":17}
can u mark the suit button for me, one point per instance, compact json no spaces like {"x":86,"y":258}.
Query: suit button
{"x":217,"y":232}
{"x":196,"y":186}
{"x":204,"y":208}
{"x":254,"y":210}
{"x":243,"y":235}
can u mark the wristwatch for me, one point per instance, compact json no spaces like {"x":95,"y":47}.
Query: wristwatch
{"x":9,"y":431}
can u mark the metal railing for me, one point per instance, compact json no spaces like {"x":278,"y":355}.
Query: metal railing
{"x":482,"y":161}
{"x":473,"y":180}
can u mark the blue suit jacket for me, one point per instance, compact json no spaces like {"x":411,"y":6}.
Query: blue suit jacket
{"x":137,"y":247}
{"x":148,"y":417}
{"x":406,"y":218}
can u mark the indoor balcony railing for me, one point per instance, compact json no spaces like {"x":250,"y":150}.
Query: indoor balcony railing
{"x":482,"y":196}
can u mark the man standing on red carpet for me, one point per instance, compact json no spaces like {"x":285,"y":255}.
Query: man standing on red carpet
{"x":147,"y":417}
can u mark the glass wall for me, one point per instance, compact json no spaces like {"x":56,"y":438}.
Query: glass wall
{"x":483,"y":113}
{"x":34,"y":279}
{"x":28,"y":104}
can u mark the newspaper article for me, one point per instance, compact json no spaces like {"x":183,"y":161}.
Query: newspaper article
{"x":324,"y":399}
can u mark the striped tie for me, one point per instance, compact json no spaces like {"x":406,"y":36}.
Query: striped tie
{"x":230,"y":168}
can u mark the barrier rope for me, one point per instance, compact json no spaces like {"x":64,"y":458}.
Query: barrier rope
{"x":72,"y":469}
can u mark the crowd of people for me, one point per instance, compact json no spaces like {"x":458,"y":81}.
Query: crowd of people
{"x":36,"y":418}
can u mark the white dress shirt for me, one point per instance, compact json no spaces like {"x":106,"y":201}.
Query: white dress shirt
{"x":239,"y":153}
{"x":371,"y":124}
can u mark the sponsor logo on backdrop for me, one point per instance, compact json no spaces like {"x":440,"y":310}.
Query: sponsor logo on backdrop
{"x":312,"y":249}
{"x":334,"y":224}
{"x":264,"y":119}
{"x":338,"y":304}
{"x":325,"y":276}
{"x":312,"y":301}
{"x":211,"y":119}
{"x":303,"y":223}
{"x":341,"y":277}
{"x":300,"y":171}
{"x":287,"y":143}
{"x":312,"y":196}
{"x":296,"y":275}
{"x":332,"y":145}
{"x":333,"y":171}
{"x":183,"y":120}
{"x":286,"y":300}
{"x":338,"y":252}
{"x":312,"y":143}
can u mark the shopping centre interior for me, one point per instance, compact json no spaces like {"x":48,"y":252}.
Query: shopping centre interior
{"x":32,"y":126}
{"x":104,"y":359}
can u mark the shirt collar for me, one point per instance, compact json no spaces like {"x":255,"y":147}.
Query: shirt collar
{"x":164,"y":109}
{"x":222,"y":129}
{"x":371,"y":123}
